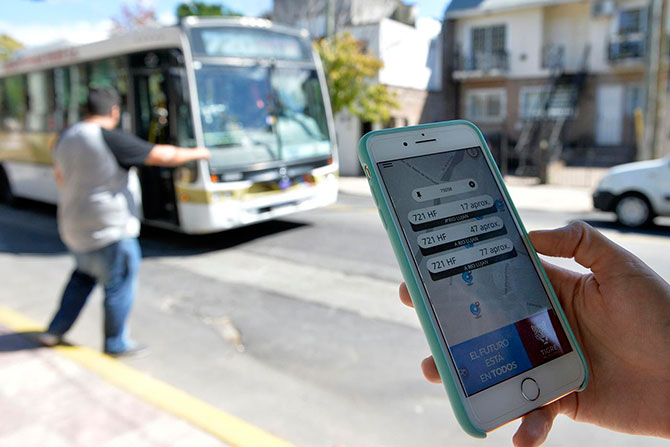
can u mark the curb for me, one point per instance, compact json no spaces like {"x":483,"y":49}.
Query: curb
{"x":224,"y":426}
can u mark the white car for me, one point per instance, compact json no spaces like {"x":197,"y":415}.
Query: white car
{"x":636,"y":192}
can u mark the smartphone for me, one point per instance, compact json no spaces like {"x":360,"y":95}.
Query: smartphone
{"x":500,"y":339}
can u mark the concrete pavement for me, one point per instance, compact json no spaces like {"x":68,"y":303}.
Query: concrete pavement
{"x":49,"y":400}
{"x":73,"y":396}
{"x":325,"y":362}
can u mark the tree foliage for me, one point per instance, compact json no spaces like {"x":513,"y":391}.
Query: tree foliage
{"x":204,"y":9}
{"x":8,"y":45}
{"x":351,"y":74}
{"x":134,"y":17}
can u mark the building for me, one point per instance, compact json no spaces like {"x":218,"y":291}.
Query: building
{"x":410,"y":48}
{"x":551,"y":79}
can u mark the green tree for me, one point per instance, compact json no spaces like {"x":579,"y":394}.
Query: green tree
{"x":8,"y":45}
{"x":351,"y":74}
{"x":204,"y":9}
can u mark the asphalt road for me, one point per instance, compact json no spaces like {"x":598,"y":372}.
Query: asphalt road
{"x":292,"y":325}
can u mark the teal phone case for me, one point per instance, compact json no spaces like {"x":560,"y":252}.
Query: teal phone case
{"x":449,"y":379}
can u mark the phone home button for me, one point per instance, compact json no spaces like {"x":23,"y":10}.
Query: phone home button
{"x":529,"y":389}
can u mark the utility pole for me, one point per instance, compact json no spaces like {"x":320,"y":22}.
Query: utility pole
{"x":656,"y":80}
{"x":661,"y":82}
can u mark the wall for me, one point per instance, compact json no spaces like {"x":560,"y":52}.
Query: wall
{"x":530,"y":29}
{"x":311,"y":14}
{"x":523,"y":38}
{"x":568,"y":26}
{"x":411,"y":56}
{"x":348,"y":131}
{"x":371,"y":11}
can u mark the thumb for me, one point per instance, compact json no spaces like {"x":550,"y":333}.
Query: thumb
{"x":536,"y":425}
{"x":584,"y":243}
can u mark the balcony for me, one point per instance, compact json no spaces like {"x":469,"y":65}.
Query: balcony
{"x":490,"y":64}
{"x":627,"y":49}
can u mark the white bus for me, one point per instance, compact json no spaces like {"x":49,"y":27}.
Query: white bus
{"x":251,"y":91}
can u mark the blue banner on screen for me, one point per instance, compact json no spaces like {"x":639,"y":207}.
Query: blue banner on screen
{"x":490,"y":358}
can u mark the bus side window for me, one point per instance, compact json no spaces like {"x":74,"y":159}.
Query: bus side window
{"x":40,"y":102}
{"x":113,"y":73}
{"x":78,"y":93}
{"x":61,"y":97}
{"x":13,"y":110}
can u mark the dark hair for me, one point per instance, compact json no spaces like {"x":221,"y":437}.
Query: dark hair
{"x":101,"y":100}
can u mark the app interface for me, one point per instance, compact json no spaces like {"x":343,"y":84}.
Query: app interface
{"x":486,"y":294}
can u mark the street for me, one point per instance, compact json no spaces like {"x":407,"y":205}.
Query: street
{"x":292,"y":325}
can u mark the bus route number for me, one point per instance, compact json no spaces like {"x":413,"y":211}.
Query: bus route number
{"x":424,"y":215}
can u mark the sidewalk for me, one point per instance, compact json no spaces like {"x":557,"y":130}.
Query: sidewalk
{"x":74,"y":396}
{"x":48,"y":400}
{"x":556,"y":198}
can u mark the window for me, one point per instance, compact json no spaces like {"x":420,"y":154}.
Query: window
{"x":486,"y":105}
{"x":488,"y":48}
{"x":533,"y":99}
{"x":632,"y":21}
{"x":78,"y":92}
{"x":61,"y":96}
{"x":12,"y":103}
{"x":40,"y":102}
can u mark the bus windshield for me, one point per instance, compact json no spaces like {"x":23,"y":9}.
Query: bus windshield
{"x":257,"y":114}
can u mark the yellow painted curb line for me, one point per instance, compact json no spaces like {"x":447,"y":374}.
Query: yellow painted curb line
{"x":224,"y":426}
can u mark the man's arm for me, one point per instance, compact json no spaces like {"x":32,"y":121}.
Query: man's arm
{"x":168,"y":155}
{"x":132,"y":151}
{"x":58,"y":176}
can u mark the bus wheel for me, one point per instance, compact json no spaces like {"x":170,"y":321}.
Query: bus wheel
{"x":6,"y":195}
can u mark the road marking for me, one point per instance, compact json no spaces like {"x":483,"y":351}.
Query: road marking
{"x":228,"y":428}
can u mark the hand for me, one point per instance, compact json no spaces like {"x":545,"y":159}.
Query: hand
{"x":203,"y":153}
{"x":620,"y":314}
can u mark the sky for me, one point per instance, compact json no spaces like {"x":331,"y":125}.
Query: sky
{"x":38,"y":22}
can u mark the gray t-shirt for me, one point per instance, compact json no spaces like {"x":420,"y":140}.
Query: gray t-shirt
{"x":99,"y":201}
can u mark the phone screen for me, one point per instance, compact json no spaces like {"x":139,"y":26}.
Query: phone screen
{"x":488,"y":298}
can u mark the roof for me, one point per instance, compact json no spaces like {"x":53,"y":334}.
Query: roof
{"x":465,"y":8}
{"x":63,"y":53}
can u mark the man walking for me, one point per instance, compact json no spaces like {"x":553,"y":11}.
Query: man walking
{"x":98,"y":215}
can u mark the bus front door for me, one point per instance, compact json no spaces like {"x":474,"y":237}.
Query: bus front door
{"x":152,"y":123}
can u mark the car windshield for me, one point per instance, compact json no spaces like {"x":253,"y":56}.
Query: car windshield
{"x":261,"y":114}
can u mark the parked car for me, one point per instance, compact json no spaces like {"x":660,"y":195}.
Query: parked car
{"x":636,"y":192}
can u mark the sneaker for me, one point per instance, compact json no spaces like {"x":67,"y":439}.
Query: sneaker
{"x":135,"y":350}
{"x":48,"y":339}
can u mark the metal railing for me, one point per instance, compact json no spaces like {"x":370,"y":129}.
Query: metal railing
{"x":484,"y":62}
{"x":626,"y":47}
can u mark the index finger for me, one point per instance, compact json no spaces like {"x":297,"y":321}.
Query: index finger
{"x":404,"y":295}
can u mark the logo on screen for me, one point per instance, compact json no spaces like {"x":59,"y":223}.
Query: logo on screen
{"x":476,"y":309}
{"x":467,"y":277}
{"x":540,"y":331}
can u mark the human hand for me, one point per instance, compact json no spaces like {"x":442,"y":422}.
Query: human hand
{"x":620,"y":314}
{"x":203,"y":153}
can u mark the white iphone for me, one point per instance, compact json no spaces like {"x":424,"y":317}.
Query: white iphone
{"x":499,"y":337}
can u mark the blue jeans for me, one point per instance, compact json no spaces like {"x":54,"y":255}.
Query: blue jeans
{"x":115,"y":267}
